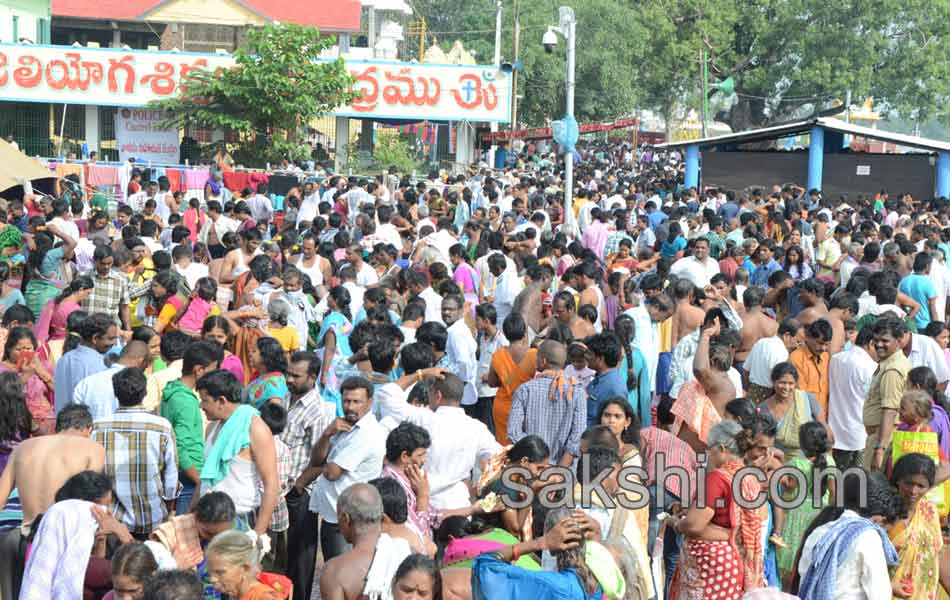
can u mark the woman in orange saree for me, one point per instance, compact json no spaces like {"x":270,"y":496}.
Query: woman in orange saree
{"x":511,"y":366}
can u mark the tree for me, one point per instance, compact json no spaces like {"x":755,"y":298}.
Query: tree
{"x":609,"y":40}
{"x":792,"y":57}
{"x":787,"y":57}
{"x":274,"y":89}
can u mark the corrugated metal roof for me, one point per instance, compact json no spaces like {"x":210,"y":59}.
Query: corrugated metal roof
{"x":831,"y":124}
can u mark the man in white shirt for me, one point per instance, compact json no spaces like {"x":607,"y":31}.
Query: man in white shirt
{"x":164,"y":199}
{"x":508,"y":287}
{"x":356,"y":197}
{"x":940,"y":275}
{"x":261,"y":208}
{"x":647,"y":318}
{"x":63,"y":220}
{"x":490,"y":339}
{"x":698,"y":268}
{"x":310,"y":204}
{"x":862,"y":571}
{"x":924,"y":351}
{"x":768,"y":352}
{"x":96,"y":392}
{"x":418,"y":285}
{"x":351,"y":450}
{"x":348,"y":277}
{"x":365,"y":274}
{"x":216,"y":226}
{"x":460,"y":444}
{"x":849,"y":379}
{"x":461,"y":347}
{"x":184,"y":266}
{"x":386,"y":231}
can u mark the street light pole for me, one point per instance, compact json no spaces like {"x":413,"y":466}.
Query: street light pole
{"x":497,"y":63}
{"x":705,"y":74}
{"x":568,"y":27}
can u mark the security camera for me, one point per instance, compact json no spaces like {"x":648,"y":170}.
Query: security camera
{"x":549,"y":41}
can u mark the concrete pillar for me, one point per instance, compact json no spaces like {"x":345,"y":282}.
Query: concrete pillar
{"x":943,"y":175}
{"x":692,"y":166}
{"x":92,"y":128}
{"x":366,"y":135}
{"x":342,"y":143}
{"x":816,"y":157}
{"x":464,"y":146}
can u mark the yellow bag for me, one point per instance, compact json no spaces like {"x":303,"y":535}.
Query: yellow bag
{"x":926,"y":443}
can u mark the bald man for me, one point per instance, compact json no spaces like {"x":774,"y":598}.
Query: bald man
{"x":367,"y":570}
{"x":95,"y":391}
{"x":550,"y":406}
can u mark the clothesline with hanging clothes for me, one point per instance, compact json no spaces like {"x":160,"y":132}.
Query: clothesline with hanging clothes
{"x":113,"y":178}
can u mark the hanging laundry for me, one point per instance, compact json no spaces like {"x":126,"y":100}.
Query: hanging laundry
{"x":196,"y":178}
{"x":64,"y":169}
{"x":175,"y":179}
{"x":101,"y":175}
{"x":236,"y":181}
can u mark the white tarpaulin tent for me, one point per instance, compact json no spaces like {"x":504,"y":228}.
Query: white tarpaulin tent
{"x":16,"y":167}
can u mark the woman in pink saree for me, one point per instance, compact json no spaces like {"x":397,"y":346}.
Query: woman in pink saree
{"x":19,"y":356}
{"x":465,"y":275}
{"x":51,"y":327}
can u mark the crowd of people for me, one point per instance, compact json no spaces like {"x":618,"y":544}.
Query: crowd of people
{"x":399,"y":389}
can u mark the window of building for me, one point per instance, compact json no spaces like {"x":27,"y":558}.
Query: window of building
{"x":208,"y":38}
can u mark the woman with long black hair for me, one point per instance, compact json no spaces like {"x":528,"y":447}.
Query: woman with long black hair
{"x":45,"y":274}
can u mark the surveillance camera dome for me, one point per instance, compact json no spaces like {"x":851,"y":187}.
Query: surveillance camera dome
{"x":549,"y":41}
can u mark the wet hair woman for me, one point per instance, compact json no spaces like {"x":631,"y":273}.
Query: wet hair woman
{"x":132,"y":564}
{"x":220,"y":330}
{"x":917,"y":537}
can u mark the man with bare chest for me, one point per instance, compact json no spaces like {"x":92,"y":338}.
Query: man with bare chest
{"x":755,"y":323}
{"x":844,"y":307}
{"x":565,"y":312}
{"x":529,"y":302}
{"x":368,"y":568}
{"x":687,"y":316}
{"x":39,"y":466}
{"x":811,"y":294}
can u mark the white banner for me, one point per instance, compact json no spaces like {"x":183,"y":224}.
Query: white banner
{"x":133,"y":78}
{"x":138,"y":136}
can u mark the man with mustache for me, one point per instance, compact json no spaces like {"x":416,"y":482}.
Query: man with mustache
{"x":350,"y":451}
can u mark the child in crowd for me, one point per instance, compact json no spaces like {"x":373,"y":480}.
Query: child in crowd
{"x":200,"y":307}
{"x":275,"y":417}
{"x":577,"y":364}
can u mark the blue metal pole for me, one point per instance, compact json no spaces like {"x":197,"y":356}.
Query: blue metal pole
{"x":692,"y":166}
{"x":816,"y":157}
{"x":943,"y":175}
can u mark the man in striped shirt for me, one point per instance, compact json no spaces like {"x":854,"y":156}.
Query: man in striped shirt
{"x":140,"y":456}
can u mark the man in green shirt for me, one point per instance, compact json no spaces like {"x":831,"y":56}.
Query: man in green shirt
{"x":716,"y":237}
{"x":180,"y":405}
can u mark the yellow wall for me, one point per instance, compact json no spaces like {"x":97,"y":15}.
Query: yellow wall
{"x":210,"y":12}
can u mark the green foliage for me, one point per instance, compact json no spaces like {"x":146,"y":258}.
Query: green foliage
{"x":274,"y":90}
{"x":393,"y":150}
{"x":787,"y":57}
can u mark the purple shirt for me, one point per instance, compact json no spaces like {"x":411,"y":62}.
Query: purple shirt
{"x":941,"y":425}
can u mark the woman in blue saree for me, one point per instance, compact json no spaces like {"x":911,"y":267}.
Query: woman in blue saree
{"x":634,"y":367}
{"x":45,"y":274}
{"x":333,"y":342}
